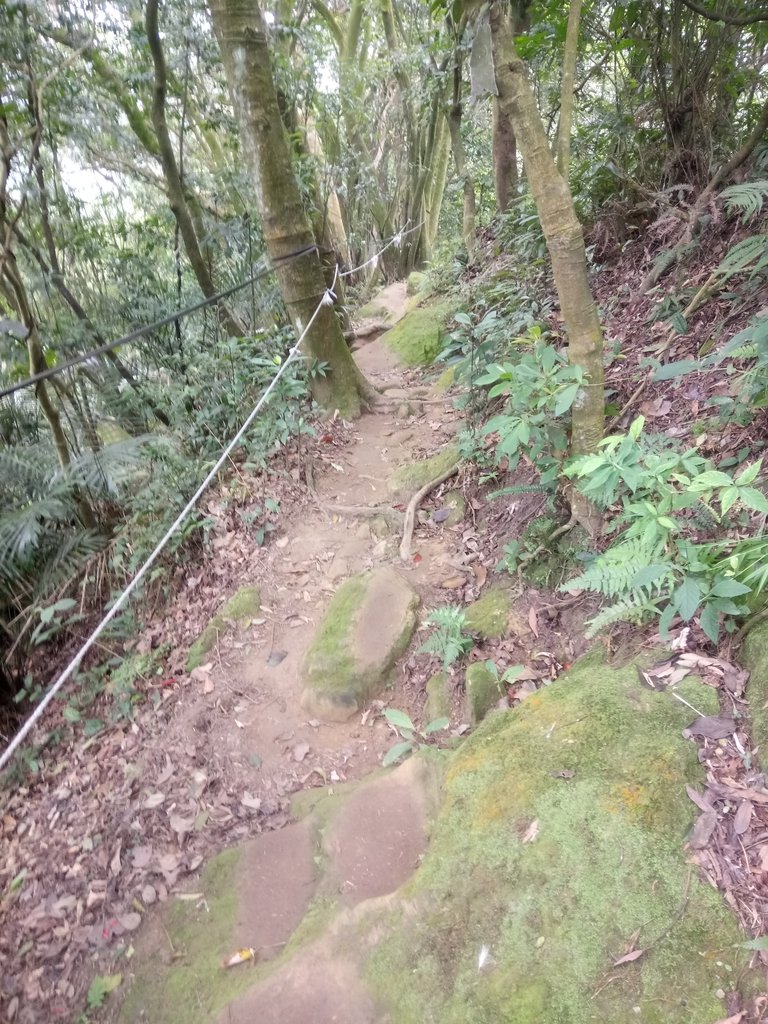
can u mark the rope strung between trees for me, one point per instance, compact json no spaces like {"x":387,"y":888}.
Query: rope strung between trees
{"x":328,"y":299}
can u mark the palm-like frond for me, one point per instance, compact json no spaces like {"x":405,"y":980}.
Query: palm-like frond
{"x":747,"y":197}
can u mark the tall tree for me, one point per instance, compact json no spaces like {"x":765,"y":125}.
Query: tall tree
{"x":565,"y":241}
{"x":242,"y":36}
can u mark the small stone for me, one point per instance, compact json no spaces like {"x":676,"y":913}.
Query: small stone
{"x":148,"y":895}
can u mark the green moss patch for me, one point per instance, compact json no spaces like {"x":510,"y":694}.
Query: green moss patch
{"x":754,"y":655}
{"x":411,"y":476}
{"x":243,"y":605}
{"x":489,"y":616}
{"x":365,"y":629}
{"x":180,"y":978}
{"x":482,"y":691}
{"x":418,"y":338}
{"x":373,"y":310}
{"x":535,"y":884}
{"x":417,"y":283}
{"x":445,"y":381}
{"x":438,"y":703}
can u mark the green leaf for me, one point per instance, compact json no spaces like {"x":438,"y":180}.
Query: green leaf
{"x":753,"y":498}
{"x":437,"y":725}
{"x":710,"y":622}
{"x":395,"y":753}
{"x":100,"y":988}
{"x":92,"y":726}
{"x":636,"y":427}
{"x":399,"y":719}
{"x":728,"y":587}
{"x":749,"y":475}
{"x":71,"y":714}
{"x":710,"y":479}
{"x":728,"y":498}
{"x":566,"y":398}
{"x":677,"y":369}
{"x":687,"y":597}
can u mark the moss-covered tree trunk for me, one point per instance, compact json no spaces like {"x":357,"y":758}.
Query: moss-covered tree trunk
{"x":564,"y":236}
{"x":241,"y":33}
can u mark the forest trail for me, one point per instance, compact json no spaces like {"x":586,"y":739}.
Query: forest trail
{"x":243,"y":719}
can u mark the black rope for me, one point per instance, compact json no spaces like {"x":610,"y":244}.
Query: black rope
{"x":141,"y":332}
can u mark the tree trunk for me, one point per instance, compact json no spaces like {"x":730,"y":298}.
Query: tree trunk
{"x":505,"y":176}
{"x":566,"y":90}
{"x":460,"y":158}
{"x":434,"y":202}
{"x":241,"y":33}
{"x":565,"y":241}
{"x":177,"y":198}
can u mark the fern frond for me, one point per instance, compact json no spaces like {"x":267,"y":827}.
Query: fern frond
{"x":68,"y":556}
{"x":21,"y":530}
{"x":747,"y":198}
{"x":104,"y":471}
{"x":749,"y":254}
{"x":631,"y":609}
{"x":617,"y":571}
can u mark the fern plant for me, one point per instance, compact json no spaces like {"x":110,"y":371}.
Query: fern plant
{"x":653,"y":567}
{"x":746,"y":198}
{"x":450,"y":639}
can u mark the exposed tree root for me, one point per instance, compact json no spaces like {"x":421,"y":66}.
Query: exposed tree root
{"x":546,"y":545}
{"x":413,"y":504}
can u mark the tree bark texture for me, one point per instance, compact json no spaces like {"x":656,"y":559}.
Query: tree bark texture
{"x":460,"y":158}
{"x":241,"y":33}
{"x":562,"y":230}
{"x":505,"y":176}
{"x":566,"y":89}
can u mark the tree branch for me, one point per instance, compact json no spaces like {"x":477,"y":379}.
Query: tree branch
{"x":728,"y":19}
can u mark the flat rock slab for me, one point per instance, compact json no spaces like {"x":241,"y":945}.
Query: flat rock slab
{"x":366,"y":628}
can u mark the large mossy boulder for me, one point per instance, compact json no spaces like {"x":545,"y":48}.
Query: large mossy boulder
{"x":417,"y":339}
{"x":560,"y":848}
{"x":366,"y":628}
{"x":482,"y":691}
{"x":412,"y":476}
{"x":242,"y":606}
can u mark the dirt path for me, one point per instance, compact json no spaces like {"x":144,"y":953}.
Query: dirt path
{"x":265,"y":736}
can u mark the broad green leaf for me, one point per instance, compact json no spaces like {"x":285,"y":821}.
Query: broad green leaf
{"x":710,"y":479}
{"x":437,"y":725}
{"x":395,"y":753}
{"x":71,"y":714}
{"x":399,"y":719}
{"x":753,"y":498}
{"x":687,"y":597}
{"x":728,"y":587}
{"x":677,"y":369}
{"x":728,"y":498}
{"x":566,"y":398}
{"x":749,"y":475}
{"x":710,"y":622}
{"x":636,"y":428}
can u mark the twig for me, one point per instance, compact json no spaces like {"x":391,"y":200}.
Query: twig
{"x":413,"y":504}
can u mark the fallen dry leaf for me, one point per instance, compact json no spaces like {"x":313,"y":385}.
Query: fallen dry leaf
{"x":300,"y":751}
{"x":481,"y":574}
{"x":154,"y":800}
{"x":453,"y":583}
{"x":712,"y":727}
{"x":702,"y":831}
{"x":533,"y":622}
{"x":742,"y":817}
{"x":629,"y":957}
{"x":532,"y":831}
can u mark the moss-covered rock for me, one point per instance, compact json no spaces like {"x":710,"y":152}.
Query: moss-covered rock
{"x":373,"y":310}
{"x":754,"y":656}
{"x":482,"y":691}
{"x":488,"y":616}
{"x":243,"y":605}
{"x":418,"y":338}
{"x":411,"y":476}
{"x":457,"y":505}
{"x":556,"y":878}
{"x":438,"y":703}
{"x":445,"y":381}
{"x":416,"y":283}
{"x":366,"y":628}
